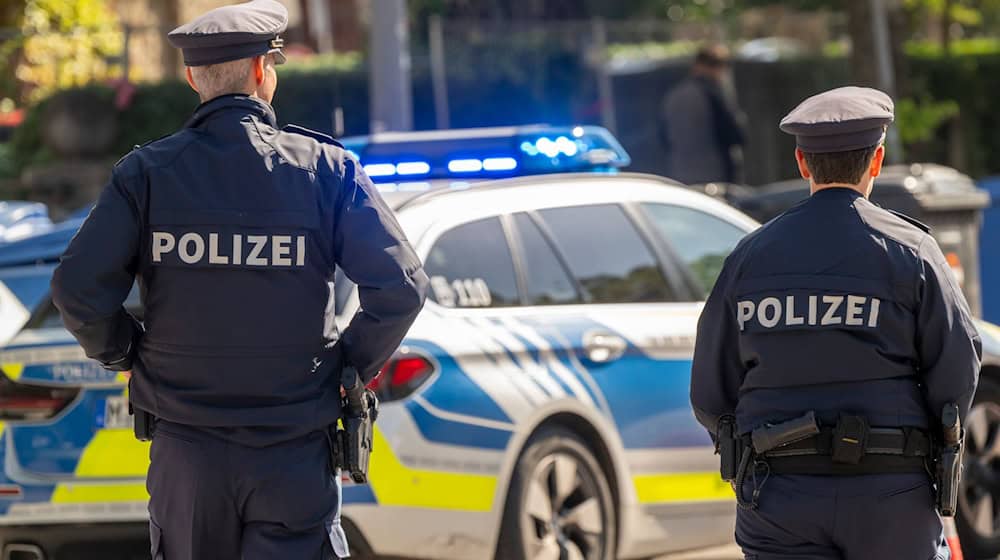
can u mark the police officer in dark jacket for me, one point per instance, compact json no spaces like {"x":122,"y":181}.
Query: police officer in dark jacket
{"x":840,"y":324}
{"x":233,"y":229}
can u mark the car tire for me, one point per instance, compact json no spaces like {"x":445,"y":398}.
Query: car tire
{"x":978,"y":519}
{"x":559,"y":504}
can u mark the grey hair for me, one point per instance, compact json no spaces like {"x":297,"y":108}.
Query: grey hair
{"x":214,"y":80}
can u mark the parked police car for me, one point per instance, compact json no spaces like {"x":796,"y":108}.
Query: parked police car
{"x":537,"y":409}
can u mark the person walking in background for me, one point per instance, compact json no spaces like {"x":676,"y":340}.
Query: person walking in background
{"x":701,"y":125}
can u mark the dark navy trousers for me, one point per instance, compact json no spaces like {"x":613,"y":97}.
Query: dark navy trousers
{"x":212,"y":499}
{"x":883,"y":516}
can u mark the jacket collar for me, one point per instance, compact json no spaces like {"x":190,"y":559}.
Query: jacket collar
{"x":241,"y":103}
{"x":832,"y":192}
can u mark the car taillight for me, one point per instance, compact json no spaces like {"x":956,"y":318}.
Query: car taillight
{"x":401,"y":376}
{"x":21,"y":401}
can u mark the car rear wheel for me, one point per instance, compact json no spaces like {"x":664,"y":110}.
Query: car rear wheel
{"x":559,"y":506}
{"x":978,"y":518}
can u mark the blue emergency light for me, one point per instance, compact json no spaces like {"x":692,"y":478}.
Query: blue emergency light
{"x":486,"y":153}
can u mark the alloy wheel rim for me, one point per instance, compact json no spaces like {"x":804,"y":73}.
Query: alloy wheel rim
{"x":563,"y":517}
{"x":979,"y":499}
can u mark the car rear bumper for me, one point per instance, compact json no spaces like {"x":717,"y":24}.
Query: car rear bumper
{"x":93,"y":541}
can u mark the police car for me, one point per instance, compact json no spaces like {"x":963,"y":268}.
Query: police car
{"x":538,"y":408}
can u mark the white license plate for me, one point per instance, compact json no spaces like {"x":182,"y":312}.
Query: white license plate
{"x":115,"y":414}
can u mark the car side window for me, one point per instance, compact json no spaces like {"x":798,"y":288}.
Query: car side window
{"x":701,"y":240}
{"x":607,"y":255}
{"x":547,"y":281}
{"x":471,"y":266}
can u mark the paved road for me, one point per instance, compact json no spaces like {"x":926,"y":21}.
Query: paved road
{"x":731,"y":552}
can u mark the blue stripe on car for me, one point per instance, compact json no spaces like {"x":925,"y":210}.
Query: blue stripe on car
{"x":453,"y":391}
{"x":451,"y":432}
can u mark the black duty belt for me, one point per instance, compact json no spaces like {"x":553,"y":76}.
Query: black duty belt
{"x":886,"y":450}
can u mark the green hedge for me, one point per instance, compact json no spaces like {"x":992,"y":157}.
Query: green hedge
{"x":973,"y":83}
{"x":308,"y":94}
{"x":558,"y":89}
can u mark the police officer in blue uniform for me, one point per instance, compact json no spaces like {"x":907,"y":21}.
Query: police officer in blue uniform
{"x":830,"y":345}
{"x":233,"y":228}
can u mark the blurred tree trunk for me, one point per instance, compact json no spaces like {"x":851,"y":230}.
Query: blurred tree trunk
{"x":864,"y":59}
{"x":946,"y":22}
{"x":900,"y":27}
{"x":864,"y":66}
{"x":10,"y":13}
{"x":348,"y":33}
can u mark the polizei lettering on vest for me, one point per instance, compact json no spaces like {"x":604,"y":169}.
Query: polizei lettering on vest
{"x":235,"y":250}
{"x":822,"y":310}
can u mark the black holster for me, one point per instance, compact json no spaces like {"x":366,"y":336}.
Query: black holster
{"x":948,"y":471}
{"x":730,"y":448}
{"x":352,"y":441}
{"x":143,"y":423}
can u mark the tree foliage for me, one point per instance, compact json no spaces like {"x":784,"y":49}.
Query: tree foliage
{"x":568,"y":9}
{"x":60,"y":44}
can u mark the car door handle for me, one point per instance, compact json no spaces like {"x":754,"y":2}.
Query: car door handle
{"x":603,"y":347}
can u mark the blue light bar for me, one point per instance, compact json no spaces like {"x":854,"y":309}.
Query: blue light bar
{"x":380,"y":169}
{"x":500,"y":164}
{"x":465,"y":165}
{"x":484,"y":153}
{"x":413,"y":168}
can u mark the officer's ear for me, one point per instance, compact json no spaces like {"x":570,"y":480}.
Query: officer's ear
{"x":875,"y":168}
{"x":800,"y":158}
{"x":190,"y":78}
{"x":258,"y":69}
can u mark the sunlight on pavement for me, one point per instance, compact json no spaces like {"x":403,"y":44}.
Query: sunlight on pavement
{"x":731,"y":552}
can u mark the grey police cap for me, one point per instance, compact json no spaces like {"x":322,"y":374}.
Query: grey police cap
{"x":840,"y":120}
{"x":232,"y":32}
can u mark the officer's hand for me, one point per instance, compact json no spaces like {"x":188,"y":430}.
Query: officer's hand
{"x":372,"y":404}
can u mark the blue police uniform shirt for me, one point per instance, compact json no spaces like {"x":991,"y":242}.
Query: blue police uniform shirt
{"x":233,"y":229}
{"x":836,"y":306}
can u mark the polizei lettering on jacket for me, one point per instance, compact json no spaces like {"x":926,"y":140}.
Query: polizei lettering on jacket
{"x":814,"y":310}
{"x":236,"y":249}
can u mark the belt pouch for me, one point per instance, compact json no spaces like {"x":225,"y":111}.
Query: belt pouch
{"x":850,"y":437}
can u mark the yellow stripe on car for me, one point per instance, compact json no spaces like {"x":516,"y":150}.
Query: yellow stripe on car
{"x":13,"y":371}
{"x":395,"y":484}
{"x":79,"y":493}
{"x":114,"y":453}
{"x":681,"y":487}
{"x":110,"y":454}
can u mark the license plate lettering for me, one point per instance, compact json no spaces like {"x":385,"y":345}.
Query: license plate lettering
{"x":115,"y":414}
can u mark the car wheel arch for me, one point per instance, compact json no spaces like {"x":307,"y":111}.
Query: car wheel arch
{"x":606,"y":449}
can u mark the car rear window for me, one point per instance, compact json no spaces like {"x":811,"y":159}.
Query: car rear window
{"x":701,"y":240}
{"x":607,"y":255}
{"x":471,"y":266}
{"x":547,"y":282}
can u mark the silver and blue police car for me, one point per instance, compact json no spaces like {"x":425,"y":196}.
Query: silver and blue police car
{"x":538,"y":408}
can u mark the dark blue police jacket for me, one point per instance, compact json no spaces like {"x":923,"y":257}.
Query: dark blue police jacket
{"x":233,"y":229}
{"x":836,"y":306}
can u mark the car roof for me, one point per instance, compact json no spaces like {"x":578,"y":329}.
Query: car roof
{"x":407,"y":194}
{"x":441,"y":206}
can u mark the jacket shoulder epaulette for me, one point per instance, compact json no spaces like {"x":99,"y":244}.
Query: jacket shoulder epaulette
{"x":912,"y":221}
{"x":139,"y":147}
{"x":130,"y":152}
{"x":315,"y":135}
